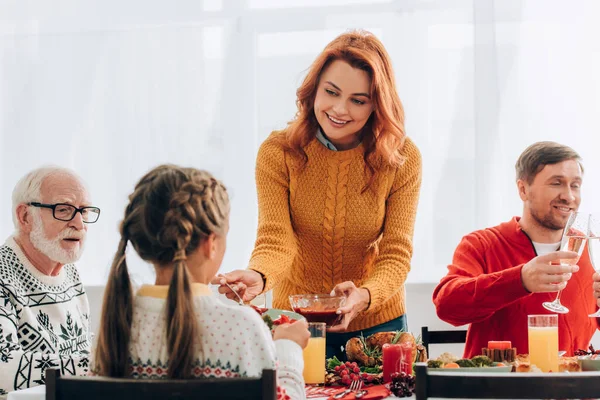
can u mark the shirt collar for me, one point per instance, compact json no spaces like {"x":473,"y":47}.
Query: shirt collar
{"x":325,"y":141}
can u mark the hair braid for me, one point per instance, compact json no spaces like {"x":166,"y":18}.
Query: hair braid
{"x":171,"y":211}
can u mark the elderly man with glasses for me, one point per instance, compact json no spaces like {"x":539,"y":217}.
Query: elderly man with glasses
{"x":44,"y":311}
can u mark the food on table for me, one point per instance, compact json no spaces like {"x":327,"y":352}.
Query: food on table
{"x":344,"y":373}
{"x":380,"y":338}
{"x":330,"y":317}
{"x":368,"y":351}
{"x":565,"y":364}
{"x":366,"y":354}
{"x":447,"y":360}
{"x":569,"y":364}
{"x":268,"y":320}
{"x":591,"y":352}
{"x":402,"y":385}
{"x":482,"y":361}
{"x":283,"y":319}
{"x":437,"y":363}
{"x":451,"y":365}
{"x":357,"y":350}
{"x":259,"y":310}
{"x":318,"y":307}
{"x":466,"y":363}
{"x":523,"y":364}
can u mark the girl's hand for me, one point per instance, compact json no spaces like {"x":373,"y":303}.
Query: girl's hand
{"x":296,"y":332}
{"x":357,"y":300}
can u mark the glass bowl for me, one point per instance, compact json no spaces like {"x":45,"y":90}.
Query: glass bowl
{"x":318,"y":307}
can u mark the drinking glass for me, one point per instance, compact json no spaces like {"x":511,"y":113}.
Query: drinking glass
{"x":574,"y":239}
{"x":594,"y":246}
{"x":314,"y":355}
{"x":542,"y":331}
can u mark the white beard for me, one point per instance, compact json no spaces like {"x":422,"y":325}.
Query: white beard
{"x":52,"y":248}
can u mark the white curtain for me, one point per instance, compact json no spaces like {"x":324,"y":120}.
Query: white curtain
{"x":112,"y":88}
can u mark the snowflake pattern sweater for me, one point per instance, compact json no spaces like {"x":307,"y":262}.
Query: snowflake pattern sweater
{"x":233,"y":341}
{"x":44,"y":322}
{"x":317,"y":228}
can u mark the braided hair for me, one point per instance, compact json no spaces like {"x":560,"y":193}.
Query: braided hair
{"x":170,"y":213}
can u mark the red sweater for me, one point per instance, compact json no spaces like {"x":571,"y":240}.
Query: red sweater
{"x":483,"y":288}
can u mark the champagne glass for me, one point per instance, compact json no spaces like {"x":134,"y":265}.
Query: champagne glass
{"x":574,"y":239}
{"x":594,"y":246}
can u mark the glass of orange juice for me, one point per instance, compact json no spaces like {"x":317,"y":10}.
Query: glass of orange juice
{"x":314,"y":355}
{"x":543,"y":341}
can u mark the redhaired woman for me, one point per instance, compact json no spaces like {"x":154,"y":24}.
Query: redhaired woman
{"x":337,"y":194}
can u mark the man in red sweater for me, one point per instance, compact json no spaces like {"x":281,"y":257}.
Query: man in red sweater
{"x":500,"y":275}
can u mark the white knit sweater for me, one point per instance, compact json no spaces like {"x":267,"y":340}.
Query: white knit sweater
{"x":44,"y":322}
{"x":233,"y":341}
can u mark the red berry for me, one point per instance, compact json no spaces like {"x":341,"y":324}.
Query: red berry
{"x":356,"y":370}
{"x":342,"y":367}
{"x":354,"y":377}
{"x":344,"y":373}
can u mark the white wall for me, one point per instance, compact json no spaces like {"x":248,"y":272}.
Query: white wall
{"x":111,"y":88}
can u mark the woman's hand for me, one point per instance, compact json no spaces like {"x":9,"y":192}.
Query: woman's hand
{"x":246,"y":282}
{"x":357,"y":300}
{"x":296,"y":332}
{"x":596,"y":286}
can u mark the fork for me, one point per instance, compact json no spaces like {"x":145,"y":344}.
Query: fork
{"x":241,"y":301}
{"x":358,"y":387}
{"x":358,"y":393}
{"x":354,"y":386}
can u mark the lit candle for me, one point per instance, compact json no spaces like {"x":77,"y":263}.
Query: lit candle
{"x":499,"y":344}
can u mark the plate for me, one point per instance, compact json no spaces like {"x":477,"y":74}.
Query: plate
{"x":589,"y":365}
{"x":275,"y":313}
{"x":507,"y":368}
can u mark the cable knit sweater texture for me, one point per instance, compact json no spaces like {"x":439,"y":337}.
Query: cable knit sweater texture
{"x":317,"y":228}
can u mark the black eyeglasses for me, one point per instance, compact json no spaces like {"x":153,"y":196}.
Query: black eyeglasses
{"x":66,"y":212}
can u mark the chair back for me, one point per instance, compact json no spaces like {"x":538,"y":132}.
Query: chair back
{"x":440,"y":337}
{"x":452,"y":385}
{"x":96,"y":388}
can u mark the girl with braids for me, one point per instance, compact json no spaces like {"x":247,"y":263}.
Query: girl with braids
{"x":177,"y":219}
{"x":337,"y":194}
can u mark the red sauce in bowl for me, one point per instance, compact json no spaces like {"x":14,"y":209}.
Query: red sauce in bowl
{"x":328,"y":316}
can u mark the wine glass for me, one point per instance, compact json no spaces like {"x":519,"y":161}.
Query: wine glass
{"x":594,"y":246}
{"x":574,"y":238}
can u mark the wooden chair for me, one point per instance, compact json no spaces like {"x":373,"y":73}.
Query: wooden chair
{"x":438,"y":337}
{"x":96,"y":388}
{"x":452,"y":385}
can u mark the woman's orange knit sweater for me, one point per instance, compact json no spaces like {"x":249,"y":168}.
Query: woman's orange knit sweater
{"x":317,"y":228}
